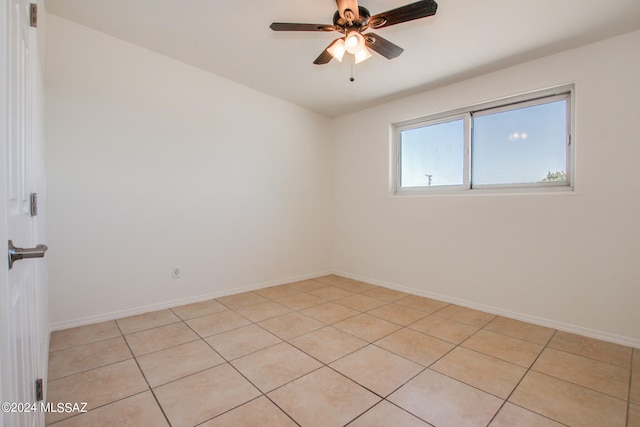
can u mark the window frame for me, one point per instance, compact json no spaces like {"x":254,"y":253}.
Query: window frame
{"x":478,"y":110}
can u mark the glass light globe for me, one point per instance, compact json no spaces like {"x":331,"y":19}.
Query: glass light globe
{"x":354,"y":42}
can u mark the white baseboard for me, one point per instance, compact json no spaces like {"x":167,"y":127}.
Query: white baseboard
{"x":567,"y":327}
{"x":561,"y":326}
{"x":103,"y":317}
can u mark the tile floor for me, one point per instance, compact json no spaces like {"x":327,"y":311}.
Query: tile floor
{"x":333,"y":351}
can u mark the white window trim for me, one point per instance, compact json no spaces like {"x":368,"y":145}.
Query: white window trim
{"x":478,"y":110}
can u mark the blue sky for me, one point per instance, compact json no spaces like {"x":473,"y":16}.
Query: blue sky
{"x":510,"y":147}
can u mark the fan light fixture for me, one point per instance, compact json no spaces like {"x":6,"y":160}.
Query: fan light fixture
{"x":363,"y":55}
{"x":353,"y":43}
{"x":337,"y":49}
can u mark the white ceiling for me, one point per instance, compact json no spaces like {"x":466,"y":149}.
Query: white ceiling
{"x":465,"y":38}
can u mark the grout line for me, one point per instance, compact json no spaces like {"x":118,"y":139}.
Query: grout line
{"x":520,"y":382}
{"x":145,"y":378}
{"x":410,"y":413}
{"x":97,"y":407}
{"x":88,"y":343}
{"x":281,"y":409}
{"x":91,"y":369}
{"x":327,"y":365}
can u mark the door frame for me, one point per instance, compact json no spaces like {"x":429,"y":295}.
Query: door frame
{"x":4,"y":272}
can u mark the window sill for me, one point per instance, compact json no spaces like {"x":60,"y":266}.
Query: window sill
{"x":485,"y":191}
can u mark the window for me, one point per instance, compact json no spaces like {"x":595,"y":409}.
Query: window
{"x":432,"y":154}
{"x":517,"y":143}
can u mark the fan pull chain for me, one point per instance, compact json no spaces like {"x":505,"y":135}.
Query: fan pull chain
{"x":352,"y":79}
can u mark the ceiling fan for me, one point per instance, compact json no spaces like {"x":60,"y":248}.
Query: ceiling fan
{"x":353,"y":20}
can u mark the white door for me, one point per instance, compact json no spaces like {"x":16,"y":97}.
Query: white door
{"x":22,"y":355}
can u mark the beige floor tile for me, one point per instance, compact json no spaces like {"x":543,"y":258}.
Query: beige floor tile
{"x":263,"y":311}
{"x":323,"y":398}
{"x":151,"y":340}
{"x":331,"y":279}
{"x":424,"y":304}
{"x":634,"y":392}
{"x":398,"y":314}
{"x":240,"y":300}
{"x":274,"y":366}
{"x":242,"y":341}
{"x":299,"y":301}
{"x":89,"y":356}
{"x":598,"y":376}
{"x":376,"y":369}
{"x":216,"y":323}
{"x":96,"y":387}
{"x":487,"y":373}
{"x":404,"y":347}
{"x":634,"y":416}
{"x":443,"y":401}
{"x":177,"y":362}
{"x":385,"y":294}
{"x":568,"y":403}
{"x":308,"y":285}
{"x":331,"y":293}
{"x":592,"y":348}
{"x":360,"y":302}
{"x":511,"y":415}
{"x":330,"y":312}
{"x":328,"y":344}
{"x":521,"y":330}
{"x":465,"y":315}
{"x":140,"y":322}
{"x":291,"y":325}
{"x":81,"y":335}
{"x":415,"y":346}
{"x":512,"y":350}
{"x":198,"y":398}
{"x":198,"y":309}
{"x":445,"y":329}
{"x":355,"y":286}
{"x":386,"y":414}
{"x":367,"y":327}
{"x":279,"y":291}
{"x":140,"y":410}
{"x":259,"y":412}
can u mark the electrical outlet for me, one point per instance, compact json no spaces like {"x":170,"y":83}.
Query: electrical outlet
{"x":176,"y":272}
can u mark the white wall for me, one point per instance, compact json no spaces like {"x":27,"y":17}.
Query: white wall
{"x":569,"y":260}
{"x":153,"y":163}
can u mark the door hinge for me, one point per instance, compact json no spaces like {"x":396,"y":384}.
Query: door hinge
{"x":33,"y":15}
{"x":39,"y":390}
{"x":33,"y":208}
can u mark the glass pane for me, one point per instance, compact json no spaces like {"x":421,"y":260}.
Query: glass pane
{"x":524,"y":145}
{"x":432,"y":155}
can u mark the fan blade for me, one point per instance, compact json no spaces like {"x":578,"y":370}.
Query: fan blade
{"x":325,"y":57}
{"x":383,"y":46}
{"x":417,"y":10}
{"x":290,"y":26}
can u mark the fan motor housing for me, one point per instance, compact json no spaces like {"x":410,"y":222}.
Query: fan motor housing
{"x":361,"y":23}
